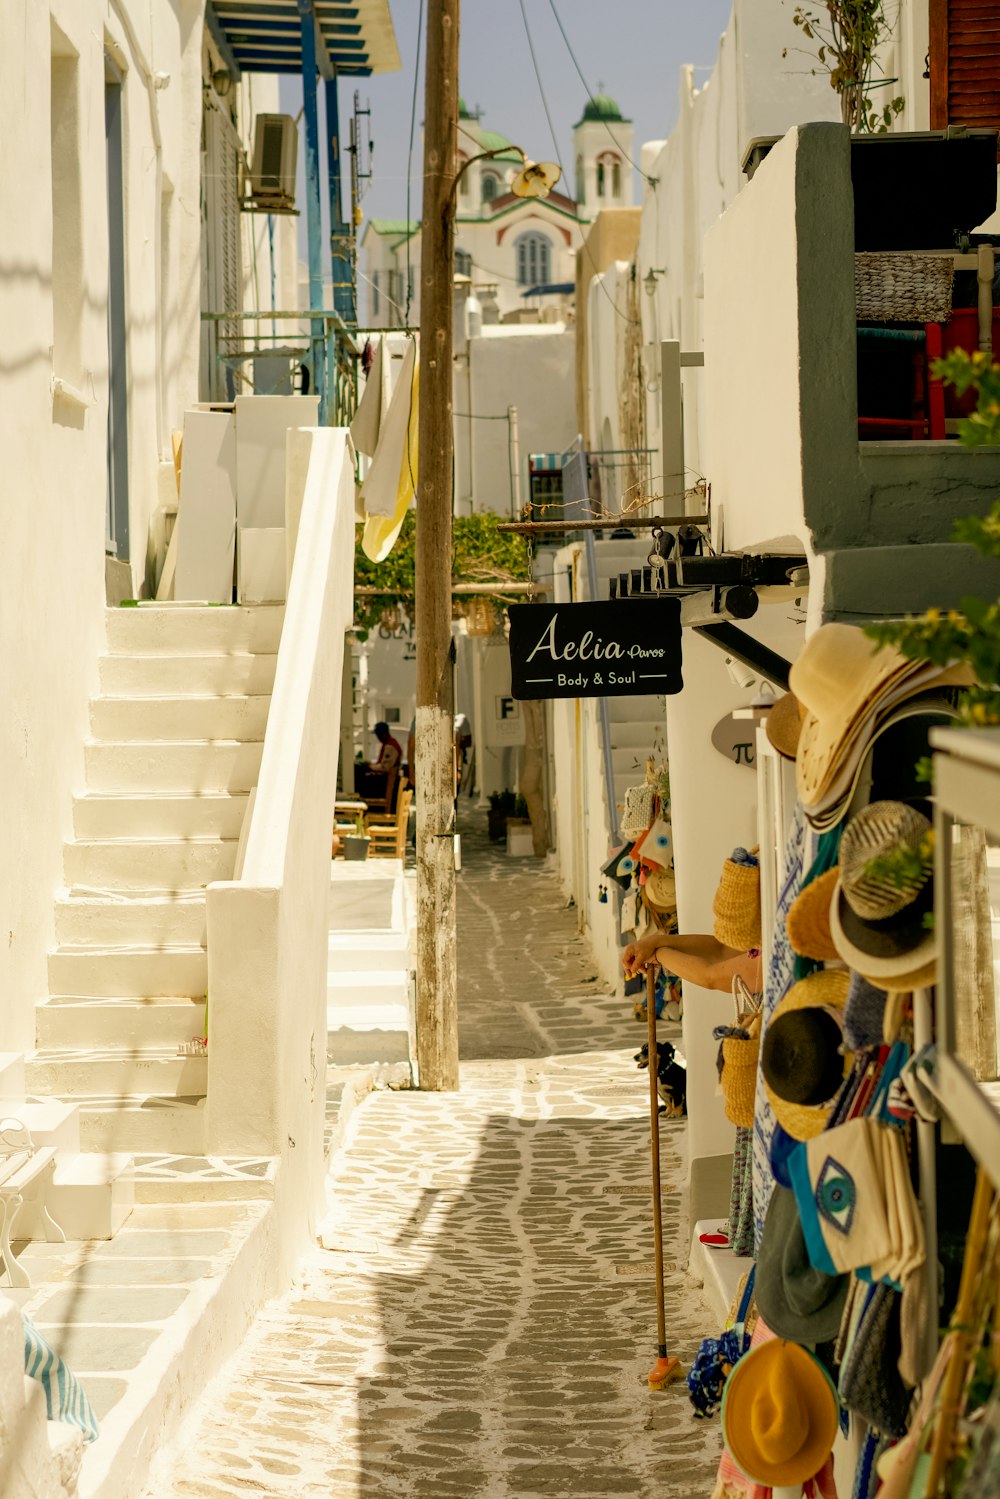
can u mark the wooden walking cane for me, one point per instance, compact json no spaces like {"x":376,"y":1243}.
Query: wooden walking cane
{"x":667,"y":1368}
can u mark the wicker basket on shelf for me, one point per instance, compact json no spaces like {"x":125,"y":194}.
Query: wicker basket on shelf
{"x":896,"y":287}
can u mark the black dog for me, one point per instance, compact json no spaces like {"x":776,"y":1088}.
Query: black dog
{"x":671,"y":1077}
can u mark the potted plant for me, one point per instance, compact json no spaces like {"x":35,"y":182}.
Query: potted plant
{"x":356,"y":844}
{"x":502,"y":806}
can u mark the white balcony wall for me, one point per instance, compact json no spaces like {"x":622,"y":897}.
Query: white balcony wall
{"x":268,"y":928}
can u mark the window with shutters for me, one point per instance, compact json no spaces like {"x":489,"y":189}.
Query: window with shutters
{"x":533,"y":259}
{"x":964,"y":63}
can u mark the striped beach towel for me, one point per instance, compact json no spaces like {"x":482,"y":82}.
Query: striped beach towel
{"x":65,"y":1397}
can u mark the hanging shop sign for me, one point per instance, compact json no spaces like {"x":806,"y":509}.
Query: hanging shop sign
{"x":736,"y":739}
{"x":596,"y":650}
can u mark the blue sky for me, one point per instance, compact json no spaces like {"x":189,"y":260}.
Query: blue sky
{"x":634,"y":48}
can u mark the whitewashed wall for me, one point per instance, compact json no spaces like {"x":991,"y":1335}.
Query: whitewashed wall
{"x":54,"y":482}
{"x":530,"y":367}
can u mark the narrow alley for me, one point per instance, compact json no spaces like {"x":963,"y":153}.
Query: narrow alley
{"x":481,"y":1317}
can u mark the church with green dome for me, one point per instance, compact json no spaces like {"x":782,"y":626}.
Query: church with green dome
{"x":523,"y":250}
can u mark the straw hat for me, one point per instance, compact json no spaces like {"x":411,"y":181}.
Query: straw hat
{"x":736,"y":906}
{"x":900,"y":726}
{"x":826,"y":990}
{"x":878,"y":926}
{"x":660,"y":890}
{"x":783,"y":725}
{"x":780,"y":1414}
{"x":808,"y":921}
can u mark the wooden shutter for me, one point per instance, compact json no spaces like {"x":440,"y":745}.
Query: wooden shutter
{"x":965,"y":63}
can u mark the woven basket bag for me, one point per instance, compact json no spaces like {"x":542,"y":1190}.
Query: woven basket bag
{"x":736,"y":906}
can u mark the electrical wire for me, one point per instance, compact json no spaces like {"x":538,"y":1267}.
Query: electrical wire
{"x":541,"y":86}
{"x":409,"y":163}
{"x":650,"y":180}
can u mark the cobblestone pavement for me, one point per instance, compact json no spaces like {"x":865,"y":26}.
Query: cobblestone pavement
{"x":483,"y":1317}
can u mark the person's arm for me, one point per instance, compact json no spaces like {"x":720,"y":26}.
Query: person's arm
{"x":698,"y":958}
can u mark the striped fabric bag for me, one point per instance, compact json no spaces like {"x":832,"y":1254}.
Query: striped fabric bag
{"x":65,"y":1397}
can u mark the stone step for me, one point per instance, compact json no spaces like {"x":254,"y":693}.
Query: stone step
{"x":80,"y":1021}
{"x":51,"y":1121}
{"x":147,"y":864}
{"x":11,"y":1074}
{"x":163,"y":1179}
{"x":91,"y":1196}
{"x":127,"y":718}
{"x":368,"y":1016}
{"x":173,"y":920}
{"x":187,"y":766}
{"x":216,"y":814}
{"x":140,"y":1124}
{"x":639,"y":710}
{"x":639,"y":736}
{"x":116,"y":1073}
{"x":140,"y":973}
{"x":216,"y":673}
{"x":172,"y":629}
{"x":367,"y":951}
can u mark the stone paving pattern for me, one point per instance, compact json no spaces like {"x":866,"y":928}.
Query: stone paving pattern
{"x":468,"y":1330}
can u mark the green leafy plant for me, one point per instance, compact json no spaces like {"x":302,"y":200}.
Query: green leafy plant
{"x":971,"y":634}
{"x":905,"y":867}
{"x":480,"y":554}
{"x":846,"y":42}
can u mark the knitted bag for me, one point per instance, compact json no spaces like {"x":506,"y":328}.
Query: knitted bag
{"x":639,"y":809}
{"x":736,"y":905}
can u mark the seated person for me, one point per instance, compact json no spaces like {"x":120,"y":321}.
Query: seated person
{"x":370,"y":777}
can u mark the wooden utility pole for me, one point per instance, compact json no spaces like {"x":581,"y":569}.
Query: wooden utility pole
{"x":437,"y":997}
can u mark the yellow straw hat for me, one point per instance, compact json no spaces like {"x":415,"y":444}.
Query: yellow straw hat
{"x":783,"y":725}
{"x":780,"y":1414}
{"x":824,"y":990}
{"x":808,"y":922}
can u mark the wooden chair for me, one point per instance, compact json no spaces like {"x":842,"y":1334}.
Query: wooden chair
{"x":388,"y":834}
{"x":384,"y":804}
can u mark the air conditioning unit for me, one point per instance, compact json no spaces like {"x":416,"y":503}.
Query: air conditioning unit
{"x":275,"y":143}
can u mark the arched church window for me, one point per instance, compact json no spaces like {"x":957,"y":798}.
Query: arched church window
{"x":491,"y":187}
{"x":534,"y":253}
{"x":600,"y":179}
{"x":616,"y":180}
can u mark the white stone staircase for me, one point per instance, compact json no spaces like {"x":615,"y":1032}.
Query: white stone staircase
{"x":638,"y":724}
{"x":176,"y":741}
{"x":370,"y":967}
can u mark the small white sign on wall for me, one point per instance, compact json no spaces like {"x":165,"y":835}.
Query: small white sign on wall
{"x":508,"y":725}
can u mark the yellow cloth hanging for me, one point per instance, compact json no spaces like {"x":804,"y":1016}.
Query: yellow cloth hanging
{"x":381,"y":531}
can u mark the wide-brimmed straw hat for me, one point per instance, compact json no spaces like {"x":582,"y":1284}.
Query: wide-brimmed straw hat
{"x":783,"y":725}
{"x":808,"y":921}
{"x":846,"y":685}
{"x":660,"y":890}
{"x":879,"y":923}
{"x":899,"y":735}
{"x":780,"y":1414}
{"x":826,"y":991}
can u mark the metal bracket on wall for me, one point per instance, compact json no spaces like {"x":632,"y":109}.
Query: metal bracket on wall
{"x":752,"y":653}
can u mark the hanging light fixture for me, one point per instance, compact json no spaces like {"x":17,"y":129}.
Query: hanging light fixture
{"x":536,"y":179}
